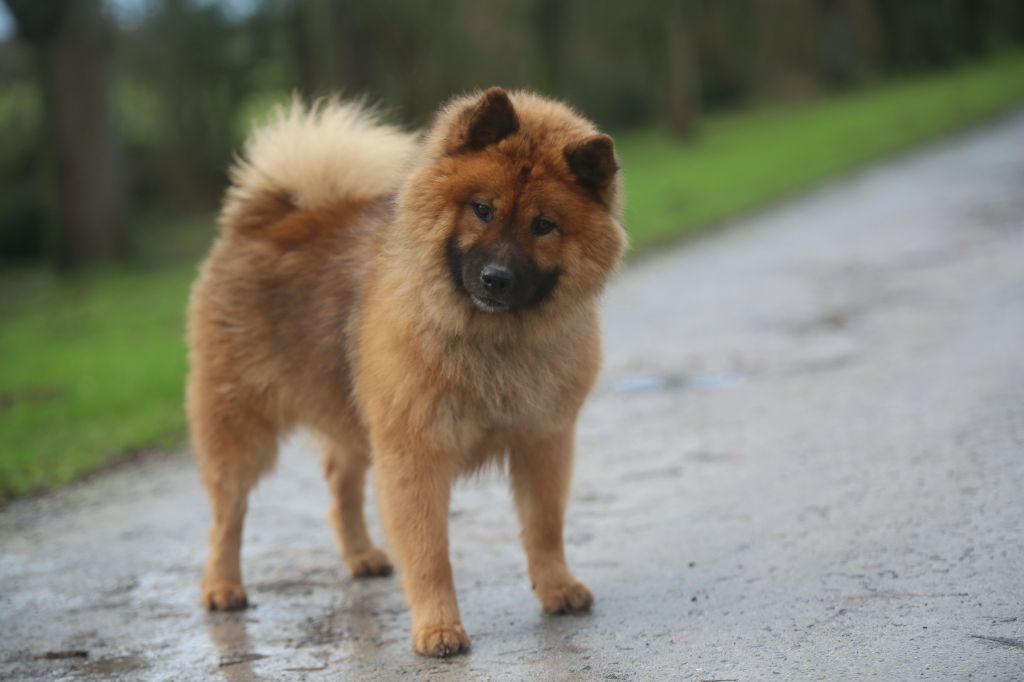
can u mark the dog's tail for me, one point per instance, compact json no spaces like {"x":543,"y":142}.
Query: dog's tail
{"x":306,"y":158}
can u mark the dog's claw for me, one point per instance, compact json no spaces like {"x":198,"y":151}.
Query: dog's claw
{"x":440,"y":641}
{"x":371,"y":563}
{"x":225,"y":596}
{"x":572,"y":598}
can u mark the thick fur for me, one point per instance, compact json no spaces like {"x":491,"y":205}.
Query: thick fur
{"x":329,"y":302}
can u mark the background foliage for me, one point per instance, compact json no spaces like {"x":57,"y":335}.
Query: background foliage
{"x":190,"y":75}
{"x":119,"y":117}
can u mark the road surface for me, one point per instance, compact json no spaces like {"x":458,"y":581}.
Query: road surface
{"x":805,"y":461}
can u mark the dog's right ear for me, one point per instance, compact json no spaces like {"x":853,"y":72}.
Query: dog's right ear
{"x":489,"y":121}
{"x":593,"y":161}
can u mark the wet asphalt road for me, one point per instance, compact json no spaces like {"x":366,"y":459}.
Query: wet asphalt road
{"x":805,"y":461}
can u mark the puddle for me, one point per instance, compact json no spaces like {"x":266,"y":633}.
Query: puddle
{"x":113,"y":667}
{"x":716,"y":380}
{"x":703,"y":381}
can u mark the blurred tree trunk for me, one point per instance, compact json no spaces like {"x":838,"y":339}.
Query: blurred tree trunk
{"x":74,"y":46}
{"x":976,"y":22}
{"x":551,"y":22}
{"x":354,"y":47}
{"x":893,"y":21}
{"x":840,"y":65}
{"x":303,"y":50}
{"x":332,"y":47}
{"x":682,"y":76}
{"x":316,"y":46}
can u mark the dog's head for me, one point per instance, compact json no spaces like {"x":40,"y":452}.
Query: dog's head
{"x":523,"y":199}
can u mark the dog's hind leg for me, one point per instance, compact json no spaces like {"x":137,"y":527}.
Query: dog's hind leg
{"x":345,"y":468}
{"x":235,"y":446}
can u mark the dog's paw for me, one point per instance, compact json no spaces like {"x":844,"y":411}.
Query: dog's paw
{"x":225,"y":596}
{"x":574,"y":597}
{"x":370,"y":563}
{"x":440,"y":640}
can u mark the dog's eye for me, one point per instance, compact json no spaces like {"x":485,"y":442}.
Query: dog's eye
{"x":542,"y":226}
{"x":483,"y":212}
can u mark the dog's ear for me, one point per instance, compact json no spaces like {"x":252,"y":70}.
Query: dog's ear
{"x":489,"y":121}
{"x":592,"y":161}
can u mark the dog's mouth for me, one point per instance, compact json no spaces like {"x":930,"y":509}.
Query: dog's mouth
{"x":489,"y":305}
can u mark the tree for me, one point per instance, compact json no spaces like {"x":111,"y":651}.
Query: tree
{"x":839,"y":53}
{"x":682,"y":76}
{"x":551,"y":23}
{"x":73,"y":43}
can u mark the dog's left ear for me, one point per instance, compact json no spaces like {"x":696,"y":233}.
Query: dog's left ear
{"x":489,"y":121}
{"x":592,"y":161}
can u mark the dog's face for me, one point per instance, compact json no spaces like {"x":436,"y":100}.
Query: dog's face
{"x":531,"y":203}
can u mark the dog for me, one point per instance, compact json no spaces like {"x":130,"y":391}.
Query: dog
{"x":427,"y":305}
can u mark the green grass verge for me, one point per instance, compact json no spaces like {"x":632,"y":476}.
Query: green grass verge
{"x":93,"y":368}
{"x":743,"y":161}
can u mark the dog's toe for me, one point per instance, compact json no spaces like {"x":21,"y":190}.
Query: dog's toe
{"x":573,"y":597}
{"x":370,"y":563}
{"x":225,"y":596}
{"x":440,"y":641}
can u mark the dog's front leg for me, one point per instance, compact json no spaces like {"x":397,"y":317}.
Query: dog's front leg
{"x":541,"y":469}
{"x":414,"y":487}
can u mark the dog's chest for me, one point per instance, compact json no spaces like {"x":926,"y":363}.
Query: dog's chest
{"x":495,"y":391}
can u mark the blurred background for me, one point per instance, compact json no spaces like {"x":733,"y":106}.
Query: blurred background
{"x":118,"y":119}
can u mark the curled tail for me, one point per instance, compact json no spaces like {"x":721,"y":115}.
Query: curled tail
{"x":307,"y":158}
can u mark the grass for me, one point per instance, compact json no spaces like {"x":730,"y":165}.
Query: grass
{"x":92,"y":370}
{"x":743,"y":161}
{"x":93,"y":367}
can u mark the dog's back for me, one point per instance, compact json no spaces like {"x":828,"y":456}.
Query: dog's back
{"x":298,"y":227}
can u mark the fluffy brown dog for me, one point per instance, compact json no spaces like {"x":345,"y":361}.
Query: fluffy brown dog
{"x":425,"y":306}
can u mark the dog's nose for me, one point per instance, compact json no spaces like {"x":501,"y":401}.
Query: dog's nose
{"x":497,"y":278}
